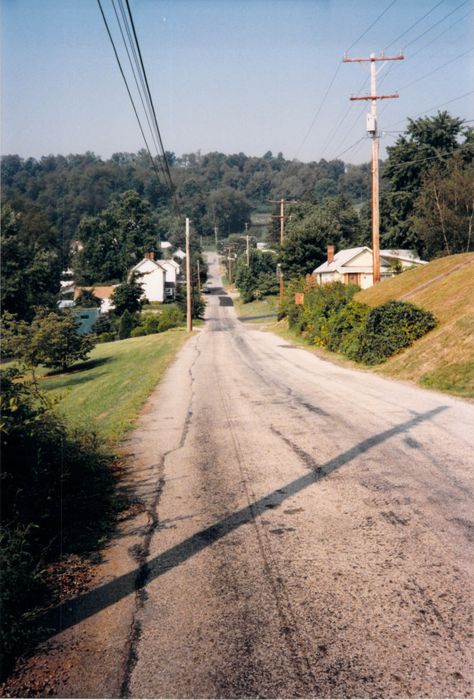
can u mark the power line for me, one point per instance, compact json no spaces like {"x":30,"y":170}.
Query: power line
{"x":435,"y":70}
{"x":414,"y":25}
{"x":134,"y":74}
{"x":372,"y":25}
{"x":331,"y":82}
{"x":430,"y":109}
{"x":165,"y":158}
{"x":436,"y":24}
{"x":128,"y":89}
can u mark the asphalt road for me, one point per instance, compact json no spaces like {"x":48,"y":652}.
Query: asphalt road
{"x":312,"y":534}
{"x":305,"y":531}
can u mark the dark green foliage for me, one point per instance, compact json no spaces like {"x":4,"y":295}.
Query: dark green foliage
{"x":87,"y":299}
{"x":330,"y":318}
{"x":103,"y":324}
{"x":391,"y":327}
{"x":170,"y":317}
{"x":321,"y":303}
{"x":428,"y":141}
{"x":116,"y":239}
{"x":56,"y":498}
{"x":30,"y":260}
{"x":51,"y":339}
{"x":311,"y":228}
{"x":259,"y":278}
{"x":126,"y":325}
{"x":346,"y":328}
{"x":128,"y":297}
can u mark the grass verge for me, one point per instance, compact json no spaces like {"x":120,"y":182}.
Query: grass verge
{"x":109,"y":389}
{"x":257,"y":311}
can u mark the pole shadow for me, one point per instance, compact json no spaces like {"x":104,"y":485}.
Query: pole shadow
{"x":84,"y":606}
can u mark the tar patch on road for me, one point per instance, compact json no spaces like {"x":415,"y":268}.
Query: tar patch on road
{"x":225,"y":301}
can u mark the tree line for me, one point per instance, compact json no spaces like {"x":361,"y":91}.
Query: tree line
{"x":119,"y":209}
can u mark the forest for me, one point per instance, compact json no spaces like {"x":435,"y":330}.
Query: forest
{"x":118,"y":207}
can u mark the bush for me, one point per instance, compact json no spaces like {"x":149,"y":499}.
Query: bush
{"x":51,"y":340}
{"x":106,"y":337}
{"x":391,"y":327}
{"x":126,"y":325}
{"x":346,"y":327}
{"x":49,"y":476}
{"x":138,"y":332}
{"x":170,"y":317}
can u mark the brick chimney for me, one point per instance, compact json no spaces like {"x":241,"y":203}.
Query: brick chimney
{"x":330,"y":254}
{"x":149,"y":256}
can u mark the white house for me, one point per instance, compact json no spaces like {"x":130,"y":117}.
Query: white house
{"x":354,"y":265}
{"x":152,"y":275}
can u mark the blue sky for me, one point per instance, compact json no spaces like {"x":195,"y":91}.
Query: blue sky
{"x":230,"y":75}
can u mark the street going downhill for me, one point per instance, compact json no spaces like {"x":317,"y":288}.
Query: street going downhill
{"x":307,"y":533}
{"x":313,"y":533}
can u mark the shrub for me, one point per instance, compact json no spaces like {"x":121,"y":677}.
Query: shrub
{"x":106,"y":337}
{"x":391,"y":327}
{"x":49,"y":476}
{"x":51,"y":339}
{"x":126,"y":325}
{"x":321,"y":303}
{"x":346,"y":327}
{"x":137,"y":332}
{"x":170,"y":317}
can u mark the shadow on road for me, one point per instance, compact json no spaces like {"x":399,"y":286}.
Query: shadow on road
{"x":92,"y":602}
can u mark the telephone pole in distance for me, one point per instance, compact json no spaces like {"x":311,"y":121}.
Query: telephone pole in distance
{"x":372,"y":130}
{"x":282,"y":218}
{"x":189,"y":316}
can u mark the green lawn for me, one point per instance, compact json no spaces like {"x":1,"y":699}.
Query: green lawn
{"x":262,"y":310}
{"x":109,"y":389}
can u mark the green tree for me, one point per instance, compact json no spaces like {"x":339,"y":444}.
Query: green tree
{"x":126,"y":325}
{"x":51,"y":339}
{"x":259,"y":278}
{"x":444,"y":210}
{"x":427,"y":141}
{"x":87,"y":299}
{"x":116,"y":239}
{"x":30,"y":261}
{"x":128,"y":297}
{"x":230,"y":209}
{"x":311,"y":228}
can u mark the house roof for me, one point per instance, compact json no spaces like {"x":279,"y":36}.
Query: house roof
{"x":100,"y":292}
{"x":401,"y":254}
{"x":155,"y":263}
{"x":342,"y":257}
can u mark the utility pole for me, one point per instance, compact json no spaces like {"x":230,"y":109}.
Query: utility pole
{"x":215,"y":236}
{"x":372,"y":130}
{"x":189,"y":317}
{"x":281,"y":216}
{"x":199,"y":277}
{"x":247,"y":237}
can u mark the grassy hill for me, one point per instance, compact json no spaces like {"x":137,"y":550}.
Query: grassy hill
{"x":443,"y":359}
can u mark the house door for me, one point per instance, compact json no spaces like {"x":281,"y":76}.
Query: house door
{"x":353,"y":278}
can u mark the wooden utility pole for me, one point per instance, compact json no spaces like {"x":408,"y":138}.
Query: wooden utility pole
{"x":372,"y":130}
{"x":247,"y":238}
{"x":199,"y":276}
{"x":215,"y":236}
{"x":281,"y":216}
{"x":189,"y":313}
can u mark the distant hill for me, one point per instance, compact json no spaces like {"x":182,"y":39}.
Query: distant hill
{"x":444,"y":359}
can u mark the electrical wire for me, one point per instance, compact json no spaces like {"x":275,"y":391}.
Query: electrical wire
{"x":160,"y":140}
{"x":435,"y":70}
{"x":331,"y":82}
{"x":414,"y":25}
{"x":128,"y":89}
{"x":430,"y":109}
